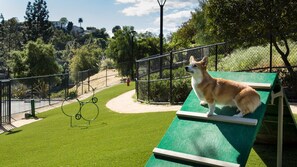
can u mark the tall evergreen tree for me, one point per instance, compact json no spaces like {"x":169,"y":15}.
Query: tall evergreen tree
{"x":69,"y":26}
{"x":36,"y":22}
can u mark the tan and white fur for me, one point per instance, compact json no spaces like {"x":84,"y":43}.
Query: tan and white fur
{"x":214,"y":91}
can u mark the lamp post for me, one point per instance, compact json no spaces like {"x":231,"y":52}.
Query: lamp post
{"x":161,"y":4}
{"x":1,"y":25}
{"x":132,"y":53}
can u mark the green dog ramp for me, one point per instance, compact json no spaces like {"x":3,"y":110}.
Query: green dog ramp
{"x":221,"y":140}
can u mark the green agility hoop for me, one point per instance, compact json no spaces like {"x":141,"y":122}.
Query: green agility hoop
{"x":82,"y":113}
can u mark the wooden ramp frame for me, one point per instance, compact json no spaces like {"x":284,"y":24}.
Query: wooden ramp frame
{"x":193,"y":139}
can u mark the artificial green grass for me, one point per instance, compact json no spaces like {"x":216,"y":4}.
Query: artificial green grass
{"x":113,"y":139}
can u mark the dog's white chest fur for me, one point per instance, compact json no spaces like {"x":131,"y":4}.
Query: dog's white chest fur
{"x":194,"y":84}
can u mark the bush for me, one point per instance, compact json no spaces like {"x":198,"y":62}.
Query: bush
{"x":160,"y":89}
{"x":19,"y":91}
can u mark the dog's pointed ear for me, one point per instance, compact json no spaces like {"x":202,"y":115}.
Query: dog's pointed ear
{"x":204,"y":61}
{"x":192,"y":59}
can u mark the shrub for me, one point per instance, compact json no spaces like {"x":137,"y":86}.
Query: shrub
{"x":19,"y":91}
{"x":160,"y":89}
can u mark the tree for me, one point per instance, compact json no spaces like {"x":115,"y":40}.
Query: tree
{"x":36,"y":59}
{"x":60,"y":39}
{"x":2,"y":32}
{"x":250,"y":23}
{"x":120,"y":50}
{"x":147,"y":45}
{"x":13,"y":36}
{"x":69,"y":26}
{"x":36,"y":22}
{"x":80,"y":20}
{"x":63,"y":22}
{"x":101,"y":36}
{"x":85,"y":57}
{"x":116,"y":28}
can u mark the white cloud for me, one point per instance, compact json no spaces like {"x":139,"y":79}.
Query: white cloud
{"x":175,"y":12}
{"x":172,"y":21}
{"x":125,"y":1}
{"x":145,"y":7}
{"x":141,"y":8}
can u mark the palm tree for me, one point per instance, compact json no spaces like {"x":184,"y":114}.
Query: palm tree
{"x":80,"y":20}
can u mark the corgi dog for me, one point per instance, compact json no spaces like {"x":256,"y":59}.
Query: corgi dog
{"x":213,"y":91}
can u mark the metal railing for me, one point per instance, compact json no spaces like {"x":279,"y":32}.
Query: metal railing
{"x":171,"y":84}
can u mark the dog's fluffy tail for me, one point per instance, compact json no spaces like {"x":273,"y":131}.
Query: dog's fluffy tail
{"x":247,"y":100}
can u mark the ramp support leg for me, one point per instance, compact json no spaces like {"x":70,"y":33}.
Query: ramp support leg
{"x":280,"y":125}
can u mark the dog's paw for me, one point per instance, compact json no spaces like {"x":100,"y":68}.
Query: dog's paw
{"x":203,"y":103}
{"x":209,"y":114}
{"x":238,"y":115}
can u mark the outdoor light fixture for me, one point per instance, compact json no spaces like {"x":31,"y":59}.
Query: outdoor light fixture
{"x":161,"y":4}
{"x":132,"y":49}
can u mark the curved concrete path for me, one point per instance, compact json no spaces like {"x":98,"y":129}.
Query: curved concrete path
{"x":124,"y":103}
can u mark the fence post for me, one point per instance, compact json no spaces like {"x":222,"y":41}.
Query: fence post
{"x":0,"y":103}
{"x":49,"y":88}
{"x":270,"y":57}
{"x":171,"y":78}
{"x":136,"y":79}
{"x":66,"y":84}
{"x":32,"y":89}
{"x":77,"y":81}
{"x":82,"y":83}
{"x":149,"y":81}
{"x":9,"y":101}
{"x":88,"y":79}
{"x":216,"y":61}
{"x":105,"y":76}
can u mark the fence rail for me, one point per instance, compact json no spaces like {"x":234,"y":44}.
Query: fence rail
{"x":169,"y":83}
{"x":50,"y":89}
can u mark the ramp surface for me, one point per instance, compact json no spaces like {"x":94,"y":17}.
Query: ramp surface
{"x":212,"y":139}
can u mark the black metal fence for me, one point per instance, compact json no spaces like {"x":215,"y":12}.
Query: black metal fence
{"x":106,"y":77}
{"x":169,"y":82}
{"x":50,"y":89}
{"x":5,"y":99}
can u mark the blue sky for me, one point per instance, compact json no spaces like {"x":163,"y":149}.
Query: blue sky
{"x":144,"y":15}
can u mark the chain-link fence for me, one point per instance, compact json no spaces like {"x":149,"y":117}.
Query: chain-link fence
{"x":45,"y":90}
{"x":168,"y":82}
{"x":88,"y":80}
{"x":163,"y":79}
{"x":51,"y":89}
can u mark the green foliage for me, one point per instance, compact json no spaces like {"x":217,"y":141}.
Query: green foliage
{"x":19,"y":91}
{"x":160,"y":89}
{"x":11,"y":36}
{"x":101,"y":36}
{"x":36,"y":22}
{"x":252,"y":58}
{"x":107,"y":63}
{"x":36,"y":59}
{"x":252,"y":23}
{"x":86,"y":57}
{"x":147,"y":45}
{"x":120,"y":50}
{"x":60,"y":39}
{"x":17,"y":63}
{"x":72,"y":94}
{"x":193,"y":32}
{"x":40,"y":59}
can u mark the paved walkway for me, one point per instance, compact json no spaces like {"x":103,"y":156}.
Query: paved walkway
{"x":126,"y":104}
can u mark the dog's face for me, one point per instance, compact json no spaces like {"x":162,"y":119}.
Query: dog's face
{"x":196,"y":67}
